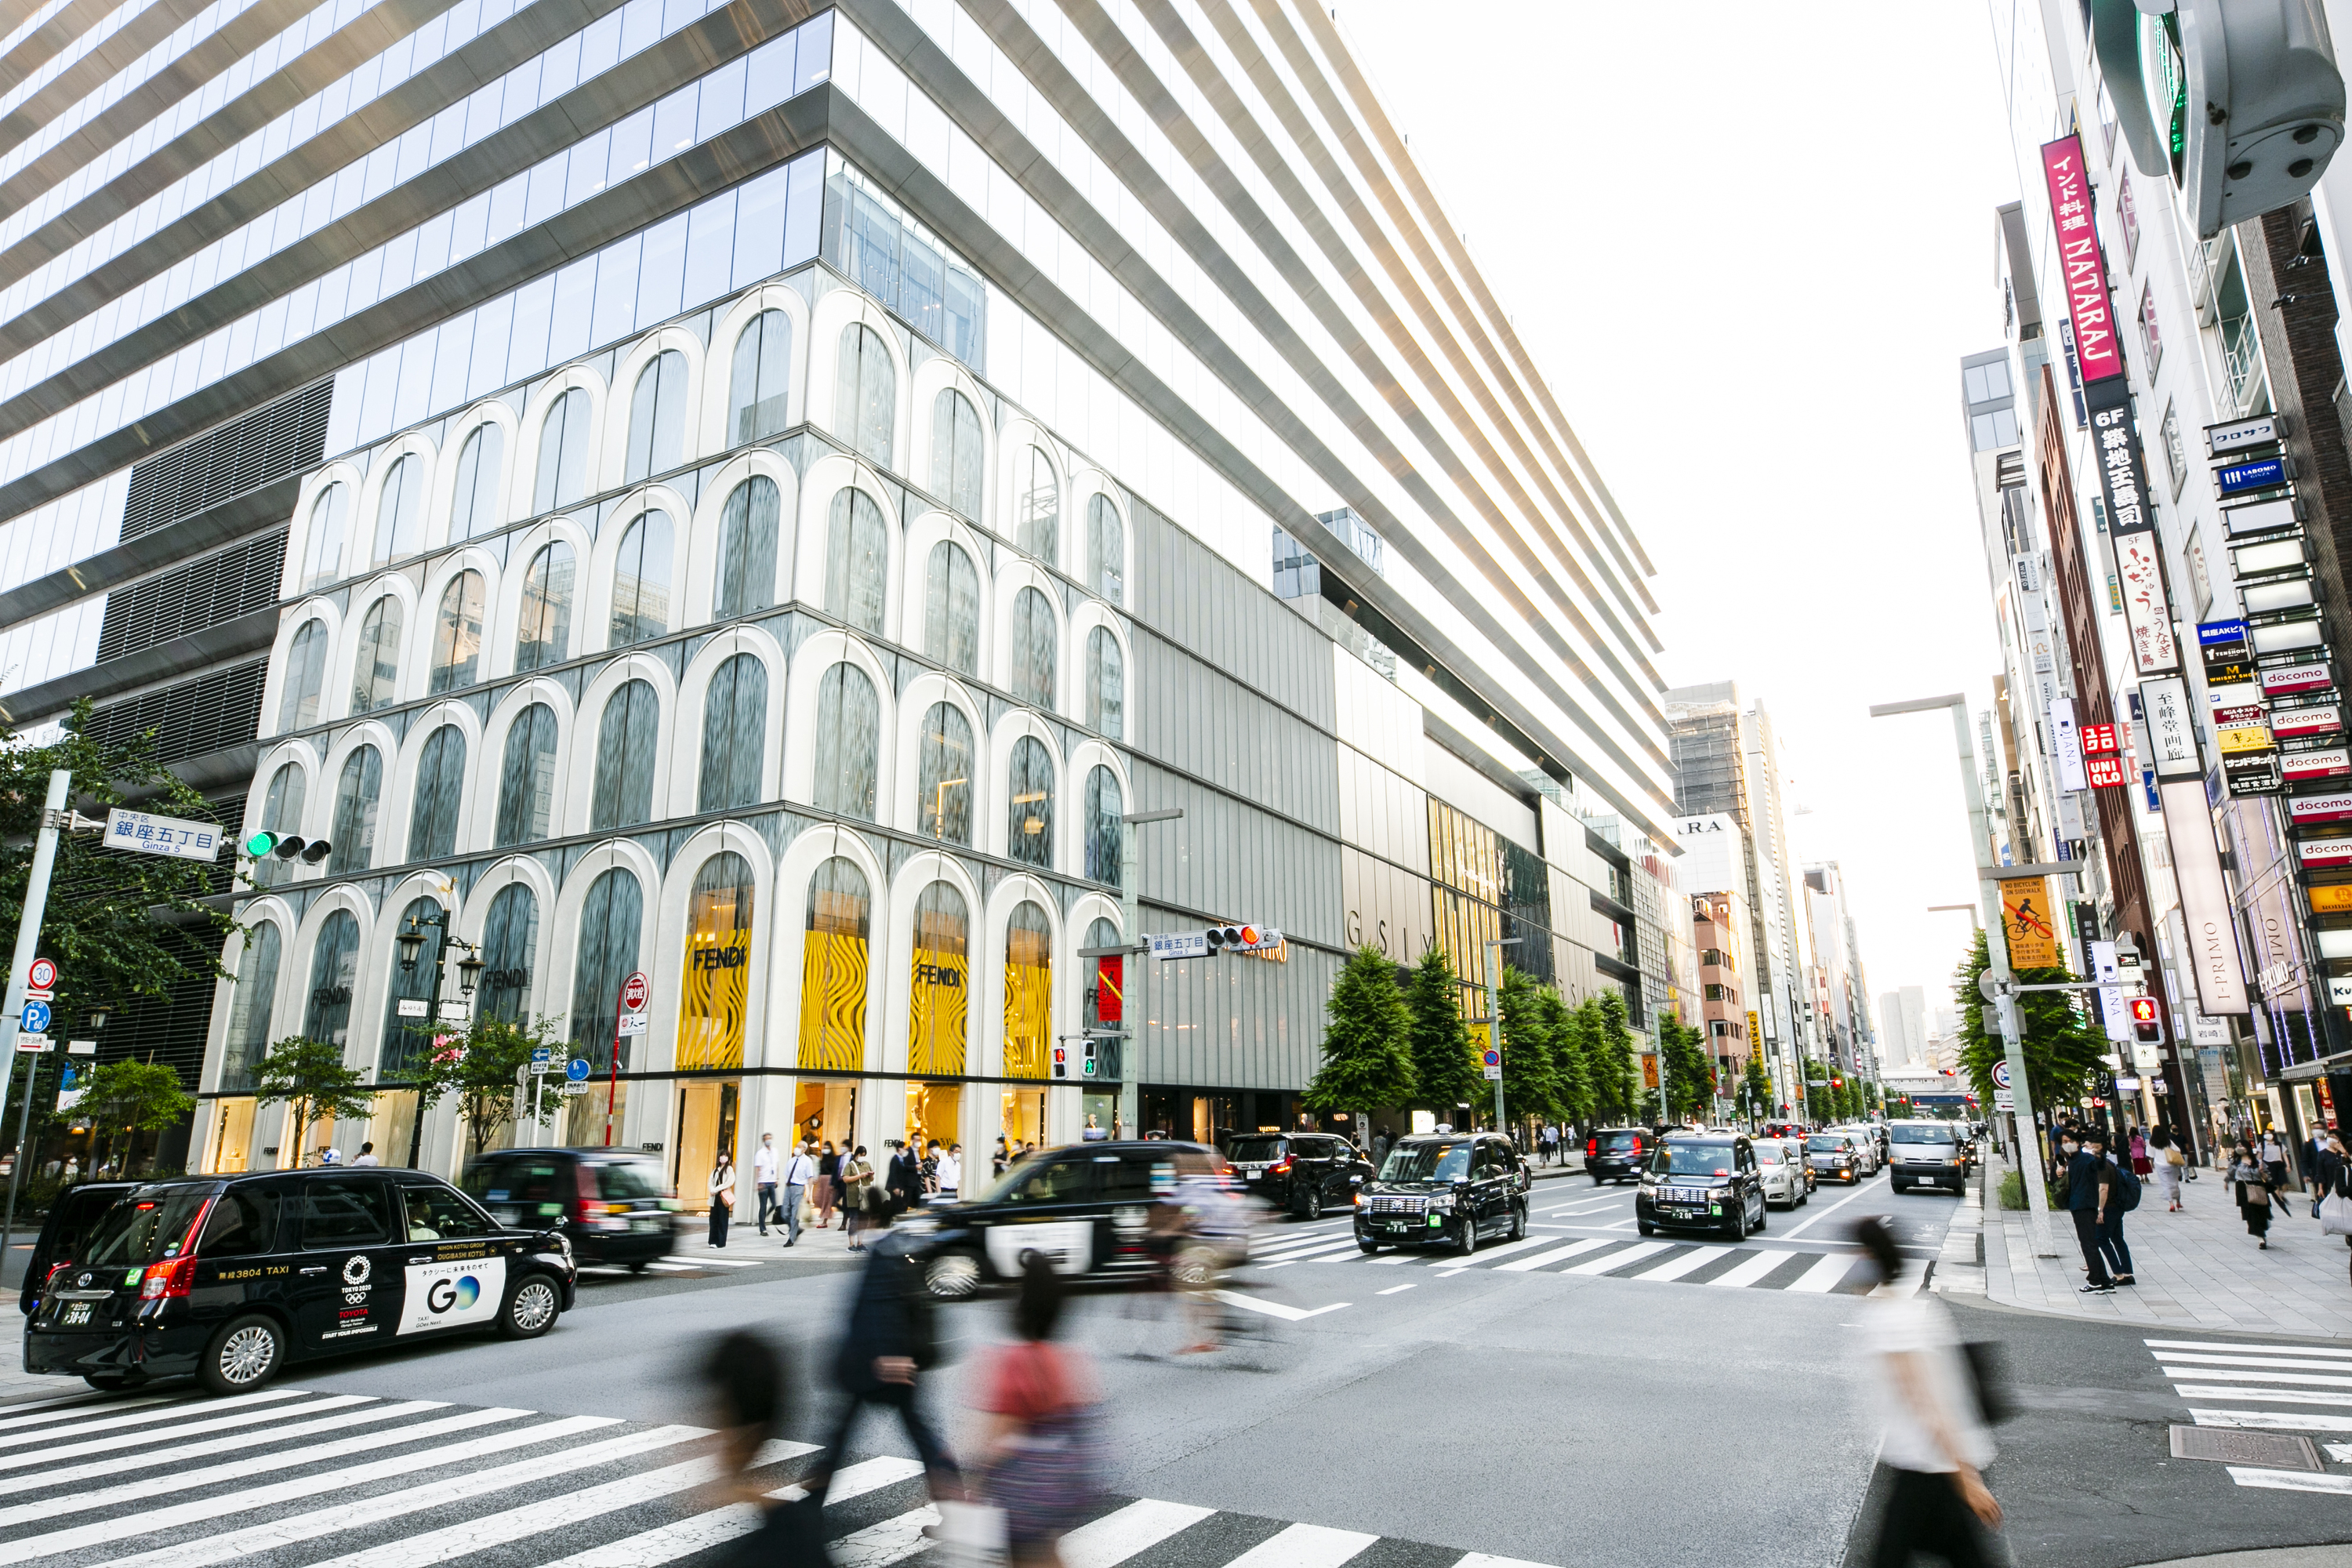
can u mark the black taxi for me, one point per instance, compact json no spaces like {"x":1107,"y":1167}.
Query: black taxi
{"x":1444,"y":1189}
{"x":1086,"y":1207}
{"x":229,"y":1277}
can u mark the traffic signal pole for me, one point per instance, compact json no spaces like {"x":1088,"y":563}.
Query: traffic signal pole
{"x":28,"y":933}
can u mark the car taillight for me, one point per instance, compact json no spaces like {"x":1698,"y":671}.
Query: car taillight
{"x":587,"y":1209}
{"x":1280,"y":1167}
{"x":1637,"y":1148}
{"x":165,"y":1281}
{"x":55,"y":1269}
{"x":1592,"y":1147}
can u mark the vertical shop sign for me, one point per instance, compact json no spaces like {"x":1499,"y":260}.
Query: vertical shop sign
{"x":2080,"y":265}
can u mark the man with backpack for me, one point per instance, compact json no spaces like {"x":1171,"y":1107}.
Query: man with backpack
{"x":891,"y":1339}
{"x":2118,"y":1196}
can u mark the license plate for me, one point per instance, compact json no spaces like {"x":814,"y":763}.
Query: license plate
{"x":644,"y":1225}
{"x":76,"y":1314}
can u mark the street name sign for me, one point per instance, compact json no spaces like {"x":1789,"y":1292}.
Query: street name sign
{"x":150,"y":835}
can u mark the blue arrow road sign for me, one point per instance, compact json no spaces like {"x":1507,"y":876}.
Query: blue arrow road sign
{"x":576,"y":1069}
{"x":36,"y":1018}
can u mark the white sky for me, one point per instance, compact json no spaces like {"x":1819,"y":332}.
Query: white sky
{"x":1748,"y":245}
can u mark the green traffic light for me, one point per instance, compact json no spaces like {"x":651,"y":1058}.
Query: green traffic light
{"x":260,"y":845}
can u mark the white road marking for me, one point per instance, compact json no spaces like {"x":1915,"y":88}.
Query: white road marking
{"x":1305,"y":1546}
{"x":2273,"y":1420}
{"x":2180,"y":1358}
{"x":2217,"y":1375}
{"x":2267,"y":1395}
{"x":1640,"y":1249}
{"x":85,"y":1402}
{"x":1542,"y":1259}
{"x":2291,"y":1480}
{"x":183,"y":1409}
{"x":1824,"y":1277}
{"x":1675,"y":1267}
{"x":1858,"y":1192}
{"x":1394,"y":1289}
{"x":887,"y":1542}
{"x":1131,"y":1532}
{"x":1748,"y":1273}
{"x":1488,"y":1559}
{"x":455,"y":1540}
{"x":2248,"y":1350}
{"x":149,"y":1460}
{"x":1395,"y":1258}
{"x":709,"y":1262}
{"x":1273,"y":1309}
{"x":1478,"y":1259}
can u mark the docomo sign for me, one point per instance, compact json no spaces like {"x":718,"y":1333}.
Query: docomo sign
{"x":2095,"y":348}
{"x":2336,"y":805}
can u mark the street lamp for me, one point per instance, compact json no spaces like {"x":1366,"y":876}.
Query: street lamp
{"x":411,"y":942}
{"x":1998,"y":976}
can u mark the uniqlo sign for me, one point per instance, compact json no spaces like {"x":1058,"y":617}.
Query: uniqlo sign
{"x":2098,"y":738}
{"x":2106,"y":772}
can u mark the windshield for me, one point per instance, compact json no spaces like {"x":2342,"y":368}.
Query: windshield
{"x":1768,"y":1153}
{"x":1825,"y":1143}
{"x":148,"y":1227}
{"x":1921,"y":1132}
{"x":625,"y":1179}
{"x":1618,"y":1143}
{"x":1692,"y":1160}
{"x":1427,"y":1163}
{"x":1254,"y":1151}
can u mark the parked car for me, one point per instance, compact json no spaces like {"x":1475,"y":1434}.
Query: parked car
{"x":1299,"y":1173}
{"x":227,"y":1279}
{"x":1787,"y":1179}
{"x":1086,"y":1207}
{"x":1444,"y":1189}
{"x":1837,"y":1156}
{"x":1928,"y":1154}
{"x":1704,"y":1180}
{"x":1617,"y":1154}
{"x":71,"y":1214}
{"x":616,"y":1200}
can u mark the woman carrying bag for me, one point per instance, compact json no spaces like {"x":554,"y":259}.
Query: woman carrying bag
{"x":2169,"y":1161}
{"x":2254,"y":1195}
{"x":856,"y":1174}
{"x":722,"y":1198}
{"x":1042,"y":1459}
{"x":829,"y":1185}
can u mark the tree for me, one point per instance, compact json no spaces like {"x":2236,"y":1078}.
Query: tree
{"x":485,"y":1067}
{"x":309,"y":1075}
{"x":131,"y":1098}
{"x":1688,"y":1071}
{"x":1614,"y":1071}
{"x":1366,"y":1065}
{"x":1571,"y":1071}
{"x":1445,"y":1076}
{"x":1530,"y":1070}
{"x":1756,"y":1089}
{"x":2062,"y":1047}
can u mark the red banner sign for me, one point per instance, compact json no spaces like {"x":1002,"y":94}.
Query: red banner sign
{"x":2098,"y":739}
{"x":2106,"y":772}
{"x":2079,"y":264}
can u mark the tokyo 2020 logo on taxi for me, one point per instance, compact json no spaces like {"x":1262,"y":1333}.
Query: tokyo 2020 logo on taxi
{"x":463,"y":1292}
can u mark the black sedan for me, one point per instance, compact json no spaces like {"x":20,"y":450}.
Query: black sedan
{"x":1299,"y":1173}
{"x":227,"y":1279}
{"x":1086,"y":1207}
{"x":1450,"y":1190}
{"x":1702,"y":1183}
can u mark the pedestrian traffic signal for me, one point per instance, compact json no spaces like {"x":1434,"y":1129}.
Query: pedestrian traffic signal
{"x":2147,"y":1021}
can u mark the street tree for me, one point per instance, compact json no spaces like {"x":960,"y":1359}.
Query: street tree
{"x":123,"y":1100}
{"x":1445,"y":1075}
{"x":1366,"y":1064}
{"x":311,"y":1077}
{"x":2062,"y":1047}
{"x":1531,"y":1066}
{"x":1690,"y":1071}
{"x":1756,"y":1089}
{"x":485,"y":1070}
{"x":1616,"y":1075}
{"x":1567,"y":1028}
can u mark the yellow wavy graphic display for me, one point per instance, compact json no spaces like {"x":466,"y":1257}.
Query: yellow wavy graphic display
{"x":1028,"y":1019}
{"x":713,"y":999}
{"x":832,"y":1002}
{"x":935,"y":1041}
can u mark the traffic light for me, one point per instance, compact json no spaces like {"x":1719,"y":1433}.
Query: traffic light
{"x":2147,"y":1023}
{"x":261,"y":846}
{"x":2238,"y":102}
{"x":1242,"y":939}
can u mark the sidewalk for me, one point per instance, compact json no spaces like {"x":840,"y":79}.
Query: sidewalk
{"x":2198,"y":1268}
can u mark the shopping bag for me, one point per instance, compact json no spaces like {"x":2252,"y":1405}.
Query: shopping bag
{"x":2336,"y":1214}
{"x":970,"y":1535}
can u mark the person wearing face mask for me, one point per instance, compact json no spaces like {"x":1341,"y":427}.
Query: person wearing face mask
{"x":2085,"y":1170}
{"x":2254,"y":1195}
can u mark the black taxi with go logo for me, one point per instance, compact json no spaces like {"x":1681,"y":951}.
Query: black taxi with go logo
{"x":227,"y":1279}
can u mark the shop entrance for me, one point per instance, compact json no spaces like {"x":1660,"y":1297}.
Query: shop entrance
{"x":706,"y":1124}
{"x":393,"y":1124}
{"x":231,"y":1136}
{"x":934,"y":1113}
{"x":828,"y":1112}
{"x":1024,"y":1118}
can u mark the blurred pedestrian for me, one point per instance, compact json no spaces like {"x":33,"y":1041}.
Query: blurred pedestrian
{"x":722,"y":1197}
{"x":2254,"y":1182}
{"x":763,"y":1177}
{"x":1042,"y":1456}
{"x":2169,"y":1161}
{"x":1933,"y":1440}
{"x":888,"y":1345}
{"x":828,"y":1185}
{"x":904,"y":1179}
{"x":856,"y":1176}
{"x":799,"y":1171}
{"x":744,"y":1382}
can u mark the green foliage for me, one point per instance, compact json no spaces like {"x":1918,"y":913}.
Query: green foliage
{"x":2062,"y":1047}
{"x":485,"y":1069}
{"x":1530,"y":1053}
{"x":121,"y":925}
{"x":309,"y":1075}
{"x":1366,"y":1065}
{"x":123,"y":1100}
{"x":1616,"y":1074}
{"x":1688,"y":1071}
{"x":1572,"y":1069}
{"x":1755,"y":1089}
{"x":1445,"y":1075}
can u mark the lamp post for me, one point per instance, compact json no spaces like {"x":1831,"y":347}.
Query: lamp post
{"x":2000,"y":981}
{"x":469,"y":971}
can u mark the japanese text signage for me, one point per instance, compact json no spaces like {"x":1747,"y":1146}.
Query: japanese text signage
{"x":2147,"y":609}
{"x":2085,"y":275}
{"x":2026,"y":921}
{"x":2171,"y":728}
{"x":151,"y":835}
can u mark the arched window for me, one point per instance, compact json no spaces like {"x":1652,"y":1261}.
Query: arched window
{"x":509,"y":950}
{"x":865,"y":394}
{"x":1106,"y":550}
{"x":832,"y":969}
{"x":354,"y":836}
{"x":1102,"y":825}
{"x":457,"y":635}
{"x":856,"y":554}
{"x":322,"y":560}
{"x":943,"y":775}
{"x":334,"y":969}
{"x":1033,"y":648}
{"x":717,"y":986}
{"x":527,"y":778}
{"x":625,"y":744}
{"x":399,"y":511}
{"x":562,"y":476}
{"x":376,"y":668}
{"x":1028,"y":992}
{"x":251,"y":1007}
{"x":952,"y":608}
{"x":657,"y":418}
{"x":544,"y":632}
{"x":848,"y":737}
{"x":746,"y":547}
{"x":956,"y":452}
{"x":610,"y":918}
{"x":474,"y":509}
{"x":407,"y":1039}
{"x":440,"y":787}
{"x":936,"y":1021}
{"x":763,"y":368}
{"x":281,"y":813}
{"x":641,"y":581}
{"x":1037,"y":519}
{"x":1029,"y":803}
{"x":1106,"y":993}
{"x":734,"y":734}
{"x":306,"y":672}
{"x":1106,"y":684}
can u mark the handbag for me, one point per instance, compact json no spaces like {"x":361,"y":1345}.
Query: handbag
{"x":1982,"y":1358}
{"x":2335,"y":1213}
{"x":970,"y":1535}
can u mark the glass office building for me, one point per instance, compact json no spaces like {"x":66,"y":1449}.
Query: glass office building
{"x":754,"y":494}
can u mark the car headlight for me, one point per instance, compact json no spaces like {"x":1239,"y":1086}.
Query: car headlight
{"x":1443,"y":1203}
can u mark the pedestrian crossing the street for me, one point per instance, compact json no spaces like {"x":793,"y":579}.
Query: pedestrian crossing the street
{"x":1748,"y":1267}
{"x":2284,"y":1389}
{"x":354,"y":1482}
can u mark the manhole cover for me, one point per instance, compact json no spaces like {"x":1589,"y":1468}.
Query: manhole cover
{"x":2269,"y":1450}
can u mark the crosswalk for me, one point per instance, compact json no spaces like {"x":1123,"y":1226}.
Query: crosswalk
{"x":1748,"y":1267}
{"x":679,"y":1263}
{"x":2283,"y":1390}
{"x":341,"y":1480}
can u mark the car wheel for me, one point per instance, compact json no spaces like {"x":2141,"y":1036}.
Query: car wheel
{"x":1314,"y":1206}
{"x":1519,"y":1222}
{"x":1467,"y":1241}
{"x":246,"y":1354}
{"x":1763,"y":1218}
{"x":1367,"y":1245}
{"x":1646,"y":1228}
{"x":531,"y":1308}
{"x":953,"y":1276}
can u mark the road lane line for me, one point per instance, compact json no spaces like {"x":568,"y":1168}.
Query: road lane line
{"x":2291,"y":1480}
{"x":1543,"y":1259}
{"x":1305,"y":1546}
{"x":2251,"y":1360}
{"x":1488,"y":1559}
{"x":520,"y":1523}
{"x":1639,"y":1250}
{"x":2273,"y":1420}
{"x":2218,"y":1374}
{"x":1675,"y":1267}
{"x":1824,"y":1276}
{"x":83,"y":1402}
{"x":1479,"y":1259}
{"x":1394,"y":1289}
{"x":186,"y":1408}
{"x":1129,"y":1532}
{"x":713,"y":1262}
{"x":1395,"y":1258}
{"x":1746,"y":1274}
{"x":1274,"y":1309}
{"x":1865,"y":1187}
{"x":1313,"y":1249}
{"x":865,"y":1476}
{"x":2266,"y":1395}
{"x":2247,"y":1350}
{"x":81,"y":1474}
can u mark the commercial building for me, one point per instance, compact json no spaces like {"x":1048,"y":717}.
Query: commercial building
{"x":754,"y":495}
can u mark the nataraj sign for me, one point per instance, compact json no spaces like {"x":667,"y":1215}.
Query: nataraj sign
{"x":2079,"y":264}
